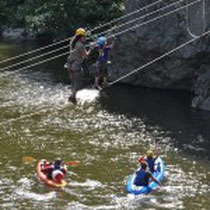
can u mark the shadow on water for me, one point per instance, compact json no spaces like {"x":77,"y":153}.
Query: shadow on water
{"x":169,"y":110}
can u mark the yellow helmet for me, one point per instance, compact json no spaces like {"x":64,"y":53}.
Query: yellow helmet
{"x":81,"y":32}
{"x":149,"y":153}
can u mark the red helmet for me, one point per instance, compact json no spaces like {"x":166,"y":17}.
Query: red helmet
{"x":141,"y":159}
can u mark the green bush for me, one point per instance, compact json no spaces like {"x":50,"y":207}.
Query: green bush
{"x":58,"y":18}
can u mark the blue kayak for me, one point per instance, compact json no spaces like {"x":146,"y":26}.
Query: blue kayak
{"x":158,"y":174}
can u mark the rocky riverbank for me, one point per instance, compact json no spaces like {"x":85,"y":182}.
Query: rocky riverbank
{"x":186,"y":69}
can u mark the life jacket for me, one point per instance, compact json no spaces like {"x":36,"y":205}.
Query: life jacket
{"x":151,"y":164}
{"x":103,"y":54}
{"x":141,"y":178}
{"x":57,"y":175}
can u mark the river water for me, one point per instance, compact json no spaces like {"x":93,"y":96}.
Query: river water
{"x":106,"y":132}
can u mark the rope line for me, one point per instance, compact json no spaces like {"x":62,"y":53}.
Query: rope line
{"x":30,"y":115}
{"x":204,"y":19}
{"x":34,"y":58}
{"x":119,"y":26}
{"x":119,"y":79}
{"x":126,"y":75}
{"x":94,"y":29}
{"x":117,"y":34}
{"x":34,"y":64}
{"x":157,"y":18}
{"x":159,"y":58}
{"x":141,"y":17}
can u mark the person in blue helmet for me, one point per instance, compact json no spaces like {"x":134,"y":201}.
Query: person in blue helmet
{"x":102,"y":62}
{"x":143,"y":175}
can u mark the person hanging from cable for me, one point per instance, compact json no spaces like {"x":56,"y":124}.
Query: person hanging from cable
{"x":103,"y":49}
{"x":77,"y":55}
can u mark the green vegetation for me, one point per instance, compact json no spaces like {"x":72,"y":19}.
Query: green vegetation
{"x":57,"y":17}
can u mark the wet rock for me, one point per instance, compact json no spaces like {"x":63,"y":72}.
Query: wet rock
{"x":202,"y":92}
{"x":17,"y":34}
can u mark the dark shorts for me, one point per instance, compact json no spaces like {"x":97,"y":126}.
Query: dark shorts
{"x":102,"y":70}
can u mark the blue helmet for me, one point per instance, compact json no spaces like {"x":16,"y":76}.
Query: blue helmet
{"x":101,"y":40}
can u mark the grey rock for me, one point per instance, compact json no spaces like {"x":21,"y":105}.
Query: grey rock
{"x":182,"y":69}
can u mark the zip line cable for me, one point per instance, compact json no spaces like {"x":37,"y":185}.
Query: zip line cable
{"x":129,"y":14}
{"x":157,"y":18}
{"x":34,"y":58}
{"x":34,"y":64}
{"x":94,"y":29}
{"x":119,"y":26}
{"x":42,"y":111}
{"x":160,"y":57}
{"x":119,"y":79}
{"x":117,"y":34}
{"x":141,"y":17}
{"x":204,"y":19}
{"x":130,"y":73}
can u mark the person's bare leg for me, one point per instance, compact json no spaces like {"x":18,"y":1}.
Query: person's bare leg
{"x":105,"y":82}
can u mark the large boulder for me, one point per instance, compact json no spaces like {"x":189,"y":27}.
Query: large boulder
{"x":138,"y":46}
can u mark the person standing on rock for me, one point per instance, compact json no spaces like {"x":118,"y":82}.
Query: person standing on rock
{"x":77,"y":55}
{"x":102,"y":62}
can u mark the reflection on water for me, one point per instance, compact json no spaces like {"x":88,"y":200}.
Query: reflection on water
{"x":106,"y":134}
{"x":169,"y":110}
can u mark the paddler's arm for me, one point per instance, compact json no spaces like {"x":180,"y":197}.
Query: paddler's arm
{"x":85,"y":53}
{"x":155,"y":180}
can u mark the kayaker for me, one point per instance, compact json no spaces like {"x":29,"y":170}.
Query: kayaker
{"x":151,"y":160}
{"x":55,"y":170}
{"x":143,"y":175}
{"x":102,"y":62}
{"x":77,"y":55}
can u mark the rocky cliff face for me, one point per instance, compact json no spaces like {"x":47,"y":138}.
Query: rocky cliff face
{"x":186,"y":69}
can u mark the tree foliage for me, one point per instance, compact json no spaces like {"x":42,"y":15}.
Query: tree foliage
{"x":57,"y":17}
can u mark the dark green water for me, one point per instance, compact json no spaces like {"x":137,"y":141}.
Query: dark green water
{"x":106,"y":133}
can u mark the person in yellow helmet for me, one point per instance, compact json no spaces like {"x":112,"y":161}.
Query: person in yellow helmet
{"x":150,"y":159}
{"x":77,"y":55}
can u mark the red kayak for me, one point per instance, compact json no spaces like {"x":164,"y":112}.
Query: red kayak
{"x":49,"y":182}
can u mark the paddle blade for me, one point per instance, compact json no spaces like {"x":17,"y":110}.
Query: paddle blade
{"x":72,"y":163}
{"x":28,"y":159}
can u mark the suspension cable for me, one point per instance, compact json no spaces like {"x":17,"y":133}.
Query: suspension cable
{"x":154,"y":19}
{"x":117,"y":34}
{"x":34,"y":58}
{"x":94,"y":29}
{"x":119,"y":79}
{"x":159,"y":58}
{"x":117,"y":27}
{"x":34,"y":64}
{"x":42,"y":111}
{"x":141,"y":17}
{"x":204,"y":19}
